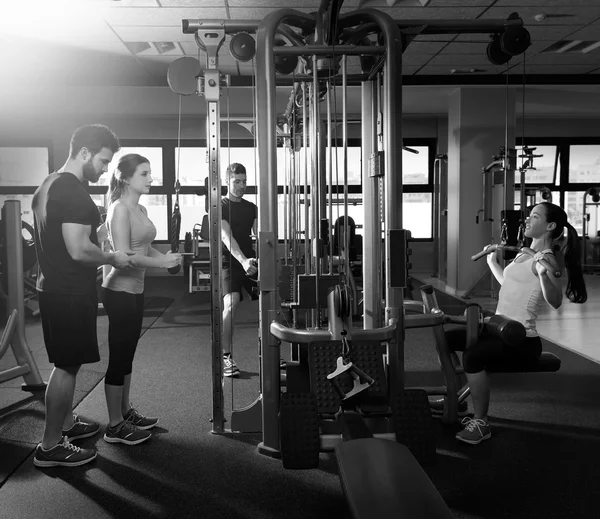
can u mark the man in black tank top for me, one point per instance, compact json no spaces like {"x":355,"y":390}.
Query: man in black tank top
{"x":239,"y":264}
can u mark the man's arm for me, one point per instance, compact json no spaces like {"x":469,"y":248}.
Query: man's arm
{"x":81,"y":249}
{"x":232,"y":246}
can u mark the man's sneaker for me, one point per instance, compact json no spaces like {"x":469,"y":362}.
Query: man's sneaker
{"x":139,"y":420}
{"x":475,"y":431}
{"x":64,"y":454}
{"x":126,"y":433}
{"x":81,"y":429}
{"x":230,"y":368}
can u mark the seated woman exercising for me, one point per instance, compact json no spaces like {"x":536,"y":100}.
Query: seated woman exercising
{"x":526,"y":283}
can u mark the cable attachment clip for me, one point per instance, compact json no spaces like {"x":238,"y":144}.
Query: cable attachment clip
{"x":360,"y":380}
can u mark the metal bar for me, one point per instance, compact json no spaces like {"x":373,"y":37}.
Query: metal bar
{"x":295,"y":335}
{"x":190,"y":26}
{"x":314,"y":187}
{"x":327,"y":50}
{"x":7,"y":334}
{"x":330,"y":175}
{"x":11,"y":219}
{"x":215,"y":216}
{"x":371,"y":229}
{"x":345,"y":151}
{"x":307,"y":265}
{"x":266,"y":125}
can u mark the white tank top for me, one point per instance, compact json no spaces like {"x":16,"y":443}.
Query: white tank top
{"x":521,"y":294}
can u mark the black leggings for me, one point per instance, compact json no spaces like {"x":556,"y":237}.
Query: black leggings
{"x":491,"y":353}
{"x":125,"y":313}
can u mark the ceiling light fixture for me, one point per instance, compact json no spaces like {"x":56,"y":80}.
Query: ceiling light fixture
{"x":591,"y":47}
{"x":568,"y":46}
{"x":162,"y":47}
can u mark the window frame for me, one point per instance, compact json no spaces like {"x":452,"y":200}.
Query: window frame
{"x":561,"y":178}
{"x":27,"y":143}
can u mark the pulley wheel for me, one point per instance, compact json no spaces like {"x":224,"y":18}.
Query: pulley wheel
{"x":182,"y":74}
{"x":242,"y":46}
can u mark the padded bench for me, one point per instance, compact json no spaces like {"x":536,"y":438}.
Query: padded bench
{"x":382,"y":479}
{"x":547,"y":363}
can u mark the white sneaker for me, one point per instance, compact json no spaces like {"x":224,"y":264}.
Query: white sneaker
{"x":230,"y":368}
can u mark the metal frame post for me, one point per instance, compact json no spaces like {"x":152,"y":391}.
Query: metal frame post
{"x":15,"y":326}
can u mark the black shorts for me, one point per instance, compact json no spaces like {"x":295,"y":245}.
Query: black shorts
{"x":233,"y":279}
{"x":69,"y":326}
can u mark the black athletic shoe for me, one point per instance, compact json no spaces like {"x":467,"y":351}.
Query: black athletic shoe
{"x":139,"y":420}
{"x":81,"y":429}
{"x":230,"y":368}
{"x":126,"y":433}
{"x":64,"y":454}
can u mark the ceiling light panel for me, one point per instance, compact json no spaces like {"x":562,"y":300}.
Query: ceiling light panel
{"x":554,"y":69}
{"x":193,"y":3}
{"x":444,"y":70}
{"x":160,"y":15}
{"x":258,"y":13}
{"x":579,"y":16}
{"x":544,"y":3}
{"x":434,"y":13}
{"x":155,"y":33}
{"x":280,"y":4}
{"x":461,"y":3}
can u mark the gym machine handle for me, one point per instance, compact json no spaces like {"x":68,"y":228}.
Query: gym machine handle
{"x":525,"y":250}
{"x":295,"y":335}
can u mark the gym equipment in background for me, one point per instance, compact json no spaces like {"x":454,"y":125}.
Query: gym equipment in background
{"x":14,"y":332}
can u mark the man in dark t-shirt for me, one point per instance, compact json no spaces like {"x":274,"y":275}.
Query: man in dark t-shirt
{"x":239,"y":221}
{"x":66,"y":223}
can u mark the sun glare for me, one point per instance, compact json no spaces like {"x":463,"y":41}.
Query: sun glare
{"x":35,"y":18}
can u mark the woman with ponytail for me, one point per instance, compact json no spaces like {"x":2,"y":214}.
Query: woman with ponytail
{"x":526,"y":285}
{"x":123,"y":294}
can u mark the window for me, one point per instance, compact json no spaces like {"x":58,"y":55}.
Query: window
{"x":584,"y":164}
{"x":156,"y":205}
{"x":193,"y":169}
{"x":544,"y":165}
{"x":574,"y":209}
{"x":415,"y":166}
{"x":26,"y":212}
{"x":23,"y":166}
{"x":153,"y":154}
{"x":190,"y":163}
{"x":417,"y":213}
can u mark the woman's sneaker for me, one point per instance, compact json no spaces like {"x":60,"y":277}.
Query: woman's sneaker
{"x":126,"y":433}
{"x":139,"y":420}
{"x":81,"y":429}
{"x":475,"y":431}
{"x":230,"y":368}
{"x":64,"y":454}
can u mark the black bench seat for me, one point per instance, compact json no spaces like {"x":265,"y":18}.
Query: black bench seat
{"x":547,"y":363}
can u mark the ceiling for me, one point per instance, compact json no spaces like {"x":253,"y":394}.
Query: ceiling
{"x":121,"y":43}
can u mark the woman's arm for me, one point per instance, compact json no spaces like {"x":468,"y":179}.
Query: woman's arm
{"x":495,"y":267}
{"x":552,"y":288}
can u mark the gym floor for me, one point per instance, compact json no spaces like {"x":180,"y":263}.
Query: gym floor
{"x":541,"y":461}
